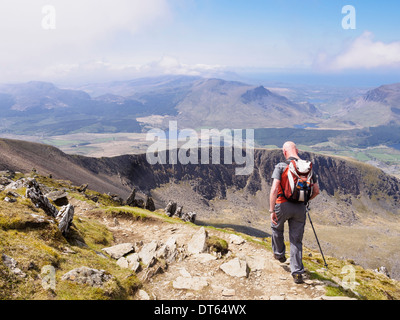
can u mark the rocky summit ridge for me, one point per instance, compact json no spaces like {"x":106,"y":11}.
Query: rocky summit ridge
{"x":115,"y":251}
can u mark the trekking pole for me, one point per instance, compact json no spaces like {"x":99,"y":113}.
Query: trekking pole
{"x":309,"y":217}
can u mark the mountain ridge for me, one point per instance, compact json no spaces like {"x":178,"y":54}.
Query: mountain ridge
{"x":378,"y":106}
{"x":180,"y":98}
{"x":355,"y":196}
{"x":114,"y":252}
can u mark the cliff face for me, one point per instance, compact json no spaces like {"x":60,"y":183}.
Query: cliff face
{"x":209,"y":181}
{"x":335,"y":175}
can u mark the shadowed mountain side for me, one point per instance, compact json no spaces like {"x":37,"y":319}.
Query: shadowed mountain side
{"x":207,"y":182}
{"x":213,"y":181}
{"x":24,"y":156}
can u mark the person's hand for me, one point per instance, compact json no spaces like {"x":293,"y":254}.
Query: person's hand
{"x":274,"y":218}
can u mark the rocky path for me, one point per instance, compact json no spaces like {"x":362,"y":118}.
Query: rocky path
{"x":248,"y":271}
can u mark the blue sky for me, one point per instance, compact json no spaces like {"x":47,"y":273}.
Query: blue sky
{"x":100,"y":40}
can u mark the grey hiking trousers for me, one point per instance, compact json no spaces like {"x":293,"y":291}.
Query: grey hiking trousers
{"x":295,"y":214}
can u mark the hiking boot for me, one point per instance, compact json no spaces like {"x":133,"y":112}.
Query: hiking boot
{"x":298,"y":278}
{"x":280,"y":259}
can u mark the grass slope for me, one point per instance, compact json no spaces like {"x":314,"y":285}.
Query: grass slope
{"x":36,"y":243}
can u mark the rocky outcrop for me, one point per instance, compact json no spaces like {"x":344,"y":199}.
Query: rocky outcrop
{"x":59,"y":197}
{"x":236,"y":268}
{"x":172,"y":209}
{"x":11,"y":264}
{"x":34,"y":193}
{"x":198,"y":243}
{"x":65,"y":217}
{"x":89,"y":276}
{"x":148,"y":204}
{"x":119,"y":250}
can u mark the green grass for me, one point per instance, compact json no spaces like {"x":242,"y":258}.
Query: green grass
{"x":34,"y":246}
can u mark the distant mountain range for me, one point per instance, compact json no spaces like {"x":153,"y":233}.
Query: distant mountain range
{"x":379,"y":106}
{"x":39,"y":107}
{"x":42,"y":108}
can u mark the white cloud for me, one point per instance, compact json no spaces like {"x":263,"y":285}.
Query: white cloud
{"x":171,"y":65}
{"x":82,"y":32}
{"x":363,"y":53}
{"x":103,"y":71}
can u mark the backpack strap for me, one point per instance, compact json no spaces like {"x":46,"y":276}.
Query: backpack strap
{"x":288,"y":162}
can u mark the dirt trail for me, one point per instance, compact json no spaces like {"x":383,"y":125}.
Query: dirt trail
{"x":268,"y":279}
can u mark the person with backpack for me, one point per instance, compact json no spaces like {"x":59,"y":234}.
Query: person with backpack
{"x":294,"y":184}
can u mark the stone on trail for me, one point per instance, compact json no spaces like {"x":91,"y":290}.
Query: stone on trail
{"x":85,"y":275}
{"x":236,"y":268}
{"x":235,"y":239}
{"x":119,"y":250}
{"x":198,"y":243}
{"x":148,"y":252}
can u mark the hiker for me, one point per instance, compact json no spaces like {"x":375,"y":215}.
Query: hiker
{"x":284,"y":209}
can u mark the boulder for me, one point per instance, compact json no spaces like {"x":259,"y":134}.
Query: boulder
{"x":198,"y":243}
{"x":65,"y":217}
{"x":235,"y":239}
{"x":178,"y":212}
{"x":150,"y":204}
{"x":226,"y":292}
{"x":131,"y":261}
{"x":20,"y":183}
{"x":168,"y":251}
{"x":60,"y":198}
{"x":383,"y":270}
{"x":34,"y":193}
{"x":85,"y":275}
{"x":11,"y":264}
{"x":119,"y":250}
{"x":255,"y":262}
{"x":148,"y":252}
{"x":131,"y":199}
{"x":4,"y":181}
{"x":10,"y":200}
{"x":236,"y":268}
{"x":189,"y":217}
{"x":170,"y":209}
{"x":204,"y":258}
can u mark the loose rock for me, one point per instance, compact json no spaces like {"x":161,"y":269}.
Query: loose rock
{"x":11,"y":264}
{"x":198,"y":243}
{"x":236,"y":268}
{"x":119,"y":250}
{"x":148,"y":252}
{"x":85,"y":275}
{"x":65,"y":217}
